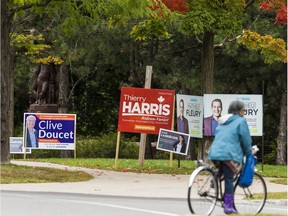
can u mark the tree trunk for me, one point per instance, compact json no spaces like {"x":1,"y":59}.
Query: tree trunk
{"x":136,"y":78}
{"x":207,"y":63}
{"x":281,"y":158}
{"x":207,"y":80}
{"x":153,"y":50}
{"x":6,"y":85}
{"x":63,"y":79}
{"x":63,"y":103}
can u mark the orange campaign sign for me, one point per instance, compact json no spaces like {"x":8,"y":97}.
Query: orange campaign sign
{"x":145,"y":110}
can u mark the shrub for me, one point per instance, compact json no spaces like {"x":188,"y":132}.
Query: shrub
{"x":104,"y":146}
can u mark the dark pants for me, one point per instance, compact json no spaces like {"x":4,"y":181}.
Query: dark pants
{"x":228,"y":178}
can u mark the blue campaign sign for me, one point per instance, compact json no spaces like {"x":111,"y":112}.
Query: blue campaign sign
{"x":173,"y":141}
{"x":49,"y":131}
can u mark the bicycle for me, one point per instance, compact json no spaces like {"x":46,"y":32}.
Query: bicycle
{"x":206,"y":189}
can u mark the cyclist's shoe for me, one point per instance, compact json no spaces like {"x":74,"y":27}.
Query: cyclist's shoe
{"x":228,"y":204}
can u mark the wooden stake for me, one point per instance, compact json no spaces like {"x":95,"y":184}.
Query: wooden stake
{"x":172,"y":128}
{"x":117,"y":149}
{"x":143,"y":136}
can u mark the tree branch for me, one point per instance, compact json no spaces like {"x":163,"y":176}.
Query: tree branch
{"x":27,"y":6}
{"x":222,"y":43}
{"x":81,"y":78}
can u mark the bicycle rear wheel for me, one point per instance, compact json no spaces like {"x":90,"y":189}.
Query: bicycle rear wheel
{"x":250,"y":200}
{"x":202,"y":191}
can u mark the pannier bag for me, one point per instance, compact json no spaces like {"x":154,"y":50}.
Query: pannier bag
{"x":246,"y":177}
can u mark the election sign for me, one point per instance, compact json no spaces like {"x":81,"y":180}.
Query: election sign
{"x":190,"y":115}
{"x":49,"y":131}
{"x":145,"y":110}
{"x":253,"y":104}
{"x":172,"y":141}
{"x":17,"y":147}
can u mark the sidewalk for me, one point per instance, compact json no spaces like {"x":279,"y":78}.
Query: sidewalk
{"x":119,"y":183}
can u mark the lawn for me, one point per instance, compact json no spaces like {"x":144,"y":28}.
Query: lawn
{"x":24,"y":174}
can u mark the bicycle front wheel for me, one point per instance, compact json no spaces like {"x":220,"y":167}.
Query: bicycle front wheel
{"x":251,"y":200}
{"x":202,"y":191}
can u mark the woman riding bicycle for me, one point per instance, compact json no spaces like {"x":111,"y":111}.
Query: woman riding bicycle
{"x":232,"y":141}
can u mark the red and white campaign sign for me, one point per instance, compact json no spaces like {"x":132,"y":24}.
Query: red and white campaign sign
{"x":145,"y":110}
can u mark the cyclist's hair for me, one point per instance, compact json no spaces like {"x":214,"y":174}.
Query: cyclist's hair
{"x":235,"y":107}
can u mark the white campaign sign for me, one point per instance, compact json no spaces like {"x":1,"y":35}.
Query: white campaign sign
{"x":253,"y":104}
{"x":193,"y":112}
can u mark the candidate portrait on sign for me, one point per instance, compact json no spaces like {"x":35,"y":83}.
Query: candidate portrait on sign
{"x":32,"y":133}
{"x":182,"y":122}
{"x":180,"y":145}
{"x":211,"y":122}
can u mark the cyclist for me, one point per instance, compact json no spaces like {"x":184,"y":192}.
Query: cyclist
{"x":232,"y":141}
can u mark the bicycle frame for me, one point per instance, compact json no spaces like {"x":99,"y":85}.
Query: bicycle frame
{"x":219,"y":180}
{"x":210,"y":189}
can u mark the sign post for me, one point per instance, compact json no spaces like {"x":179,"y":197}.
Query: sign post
{"x":25,"y":140}
{"x":117,"y":149}
{"x":143,"y":136}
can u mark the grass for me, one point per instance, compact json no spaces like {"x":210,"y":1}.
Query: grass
{"x":23,"y":174}
{"x":128,"y":165}
{"x":272,"y":171}
{"x":258,"y":215}
{"x":153,"y":166}
{"x":279,"y":181}
{"x":278,"y":195}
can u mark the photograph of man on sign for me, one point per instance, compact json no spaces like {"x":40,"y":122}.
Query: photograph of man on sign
{"x":211,"y":122}
{"x":182,"y":122}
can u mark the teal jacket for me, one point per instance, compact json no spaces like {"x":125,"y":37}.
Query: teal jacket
{"x":232,"y":139}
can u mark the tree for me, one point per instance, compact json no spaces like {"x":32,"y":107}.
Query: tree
{"x":85,"y":12}
{"x":216,"y":24}
{"x":95,"y":54}
{"x":6,"y":83}
{"x":280,"y":19}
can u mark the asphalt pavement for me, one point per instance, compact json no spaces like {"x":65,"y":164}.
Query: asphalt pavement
{"x":120,"y":183}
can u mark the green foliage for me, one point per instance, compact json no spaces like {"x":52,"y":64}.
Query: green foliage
{"x":272,"y":49}
{"x":270,"y":157}
{"x":21,"y":3}
{"x":156,"y":26}
{"x":221,"y":17}
{"x":21,"y":91}
{"x":121,"y":11}
{"x":30,"y":43}
{"x":150,"y":28}
{"x":43,"y":153}
{"x":105,"y":147}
